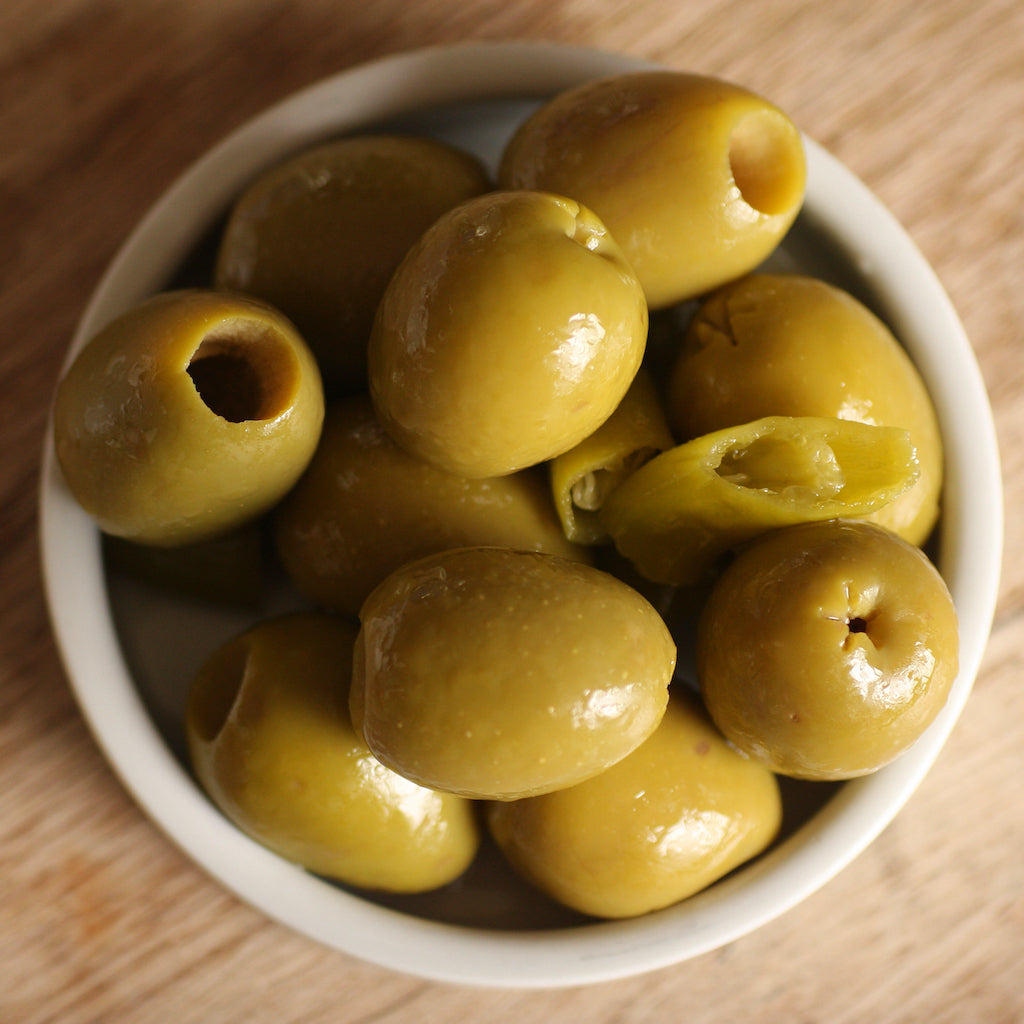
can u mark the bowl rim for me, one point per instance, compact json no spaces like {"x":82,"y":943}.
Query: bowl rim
{"x":970,"y":553}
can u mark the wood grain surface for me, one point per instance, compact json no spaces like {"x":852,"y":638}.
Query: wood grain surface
{"x":102,"y":104}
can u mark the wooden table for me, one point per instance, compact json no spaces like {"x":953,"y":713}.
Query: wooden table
{"x":102,"y":104}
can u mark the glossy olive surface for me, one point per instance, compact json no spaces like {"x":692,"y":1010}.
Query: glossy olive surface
{"x":188,"y":415}
{"x":792,"y":345}
{"x":272,"y":744}
{"x":509,"y":333}
{"x":499,"y":674}
{"x":365,"y":507}
{"x":825,"y":650}
{"x":670,"y":819}
{"x":320,"y":235}
{"x":697,"y":179}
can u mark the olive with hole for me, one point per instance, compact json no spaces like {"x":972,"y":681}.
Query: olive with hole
{"x":826,"y":649}
{"x":793,"y":345}
{"x":320,"y":235}
{"x":498,"y":674}
{"x":189,"y":414}
{"x":509,"y":333}
{"x":697,"y":179}
{"x":670,"y":819}
{"x":271,"y":742}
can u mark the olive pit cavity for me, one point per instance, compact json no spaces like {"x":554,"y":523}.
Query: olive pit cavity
{"x":766,"y":160}
{"x":243,"y":372}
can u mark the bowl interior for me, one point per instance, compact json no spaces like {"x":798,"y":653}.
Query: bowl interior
{"x":131,"y":650}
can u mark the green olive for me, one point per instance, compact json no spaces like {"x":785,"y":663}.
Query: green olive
{"x":583,"y":477}
{"x":509,"y":333}
{"x":668,"y":820}
{"x":320,"y":235}
{"x":271,"y":742}
{"x":364,"y":508}
{"x":697,"y":179}
{"x":679,"y":513}
{"x":190,"y":414}
{"x":498,"y":674}
{"x":791,"y":345}
{"x":826,"y":649}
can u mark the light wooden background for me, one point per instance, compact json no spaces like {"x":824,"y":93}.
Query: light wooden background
{"x":102,"y":104}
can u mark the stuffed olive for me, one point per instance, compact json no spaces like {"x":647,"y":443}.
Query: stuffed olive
{"x":792,"y":345}
{"x":320,"y":235}
{"x":697,"y":179}
{"x":271,"y":742}
{"x":190,"y":414}
{"x":510,"y":332}
{"x":826,"y":649}
{"x":499,"y":674}
{"x":364,"y":507}
{"x":668,"y":820}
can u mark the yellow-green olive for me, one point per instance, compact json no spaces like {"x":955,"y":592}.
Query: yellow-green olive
{"x":364,"y":507}
{"x":583,"y":477}
{"x":320,"y":235}
{"x":271,"y":742}
{"x":191,"y":413}
{"x":825,"y":650}
{"x":676,"y":815}
{"x":498,"y":674}
{"x":509,"y":333}
{"x":792,"y":345}
{"x":697,"y":179}
{"x":675,"y":516}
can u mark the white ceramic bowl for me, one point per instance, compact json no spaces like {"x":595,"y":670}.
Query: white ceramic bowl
{"x":129,"y":653}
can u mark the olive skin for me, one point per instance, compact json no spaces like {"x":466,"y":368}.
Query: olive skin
{"x":320,"y":235}
{"x":510,"y":332}
{"x":364,"y":508}
{"x":667,"y":821}
{"x":697,"y":179}
{"x":498,"y":674}
{"x":792,"y":345}
{"x":826,"y":649}
{"x":272,"y":744}
{"x":190,"y":414}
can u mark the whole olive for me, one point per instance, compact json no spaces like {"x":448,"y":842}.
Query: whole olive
{"x":271,"y":742}
{"x":826,"y":649}
{"x":320,"y":235}
{"x":792,"y":345}
{"x":668,"y":820}
{"x":191,"y":413}
{"x":510,"y":332}
{"x":498,"y":674}
{"x":697,"y":179}
{"x":365,"y":507}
